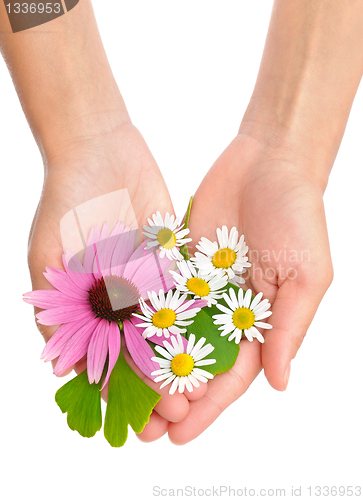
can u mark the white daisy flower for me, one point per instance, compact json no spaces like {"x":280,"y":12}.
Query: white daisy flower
{"x":168,"y":314}
{"x":168,"y":234}
{"x":190,"y":281}
{"x":243,"y":315}
{"x":179,"y":365}
{"x":228,"y":256}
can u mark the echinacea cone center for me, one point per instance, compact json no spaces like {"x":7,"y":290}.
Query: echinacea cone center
{"x":166,"y":238}
{"x":164,"y":318}
{"x":182,"y":364}
{"x":114,"y":298}
{"x":198,"y":286}
{"x":243,"y":318}
{"x":224,"y":258}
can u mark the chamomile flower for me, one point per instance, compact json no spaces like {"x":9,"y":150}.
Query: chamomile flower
{"x":228,"y":256}
{"x":168,"y":234}
{"x":169,"y":313}
{"x":190,"y":281}
{"x":243,"y":316}
{"x":180,"y":365}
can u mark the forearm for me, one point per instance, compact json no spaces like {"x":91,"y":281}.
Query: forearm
{"x":63,"y":79}
{"x":309,"y":74}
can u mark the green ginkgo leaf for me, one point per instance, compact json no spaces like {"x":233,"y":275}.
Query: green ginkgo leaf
{"x":82,"y":402}
{"x":130,"y":402}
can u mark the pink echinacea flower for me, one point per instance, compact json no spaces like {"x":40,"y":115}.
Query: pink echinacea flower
{"x":93,"y":299}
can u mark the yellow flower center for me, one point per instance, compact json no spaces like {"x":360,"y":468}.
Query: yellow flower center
{"x":243,"y":318}
{"x":224,"y":258}
{"x":166,"y":238}
{"x":198,"y":286}
{"x":182,"y":365}
{"x":164,"y":318}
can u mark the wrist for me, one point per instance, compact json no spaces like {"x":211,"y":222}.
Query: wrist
{"x":64,"y":81}
{"x":310,"y":71}
{"x":79,"y":122}
{"x":280,"y":142}
{"x":265,"y":150}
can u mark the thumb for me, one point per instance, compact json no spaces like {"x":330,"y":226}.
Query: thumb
{"x":292,"y":312}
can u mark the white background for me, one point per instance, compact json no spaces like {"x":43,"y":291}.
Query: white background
{"x":186,"y":70}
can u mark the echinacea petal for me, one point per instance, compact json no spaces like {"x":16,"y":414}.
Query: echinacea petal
{"x":107,"y":246}
{"x":62,"y":282}
{"x":139,"y":349}
{"x":76,"y":347}
{"x":124,"y":251}
{"x":97,"y":352}
{"x":76,"y":271}
{"x":89,"y":254}
{"x":55,"y":344}
{"x":114,"y":346}
{"x":63,"y":314}
{"x":47,"y":299}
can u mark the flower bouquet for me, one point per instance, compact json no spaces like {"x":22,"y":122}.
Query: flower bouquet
{"x":180,"y":318}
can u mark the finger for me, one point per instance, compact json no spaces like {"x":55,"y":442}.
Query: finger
{"x":154,"y":429}
{"x":221,"y":392}
{"x":197,"y":392}
{"x":292,"y":312}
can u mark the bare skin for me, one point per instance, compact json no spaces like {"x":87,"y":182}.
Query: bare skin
{"x":288,"y":219}
{"x":269,"y":182}
{"x":280,"y":213}
{"x":89,"y":148}
{"x":86,"y":173}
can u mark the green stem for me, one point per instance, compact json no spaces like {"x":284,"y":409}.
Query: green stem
{"x":184,"y":249}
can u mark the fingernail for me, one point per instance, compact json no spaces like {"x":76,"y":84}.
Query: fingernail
{"x":287,"y":374}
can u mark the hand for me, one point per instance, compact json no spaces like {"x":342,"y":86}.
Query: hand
{"x":276,"y":202}
{"x":86,"y":169}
